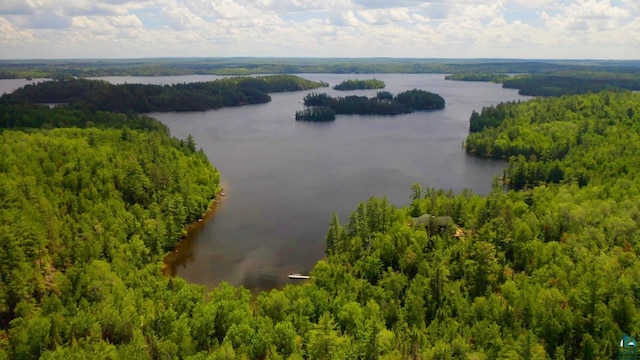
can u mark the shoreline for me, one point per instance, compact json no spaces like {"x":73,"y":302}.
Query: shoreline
{"x":183,"y":248}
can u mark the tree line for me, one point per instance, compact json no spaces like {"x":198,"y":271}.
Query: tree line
{"x":230,"y":66}
{"x":560,"y":83}
{"x":96,"y":95}
{"x":384,"y":103}
{"x":360,"y":84}
{"x":548,"y":271}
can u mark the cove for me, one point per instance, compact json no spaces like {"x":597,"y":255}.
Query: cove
{"x":284,"y":179}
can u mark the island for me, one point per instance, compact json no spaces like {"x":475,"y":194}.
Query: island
{"x":384,"y":103}
{"x":360,"y":84}
{"x":316,"y":114}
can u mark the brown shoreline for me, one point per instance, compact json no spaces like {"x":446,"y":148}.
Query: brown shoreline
{"x":183,"y":249}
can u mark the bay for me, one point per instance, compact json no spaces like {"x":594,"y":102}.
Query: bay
{"x":8,"y":86}
{"x":283,"y":179}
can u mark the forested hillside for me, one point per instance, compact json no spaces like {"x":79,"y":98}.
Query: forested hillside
{"x":547,"y":272}
{"x":593,"y":138}
{"x":86,"y":215}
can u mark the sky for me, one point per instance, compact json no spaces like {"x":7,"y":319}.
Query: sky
{"x":533,"y":29}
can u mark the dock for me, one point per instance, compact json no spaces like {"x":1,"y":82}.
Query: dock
{"x":298,"y":276}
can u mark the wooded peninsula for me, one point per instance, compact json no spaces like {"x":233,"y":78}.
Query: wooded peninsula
{"x":91,"y":200}
{"x":562,"y":82}
{"x":99,"y":95}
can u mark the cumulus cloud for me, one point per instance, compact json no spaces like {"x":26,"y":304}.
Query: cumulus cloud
{"x":181,"y":18}
{"x":9,"y":34}
{"x":385,"y":16}
{"x":588,"y":15}
{"x":382,"y":4}
{"x":401,"y":28}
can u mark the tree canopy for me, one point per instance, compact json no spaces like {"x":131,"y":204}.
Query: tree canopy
{"x":360,"y":84}
{"x":563,"y":82}
{"x":382,"y":104}
{"x":96,"y":95}
{"x":316,"y":114}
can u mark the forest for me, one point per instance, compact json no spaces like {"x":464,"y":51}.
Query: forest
{"x":561,"y":139}
{"x":561,"y":82}
{"x":316,"y":114}
{"x":91,"y":201}
{"x":567,"y":83}
{"x":360,"y":84}
{"x":243,"y":66}
{"x":384,"y":103}
{"x":98,"y":95}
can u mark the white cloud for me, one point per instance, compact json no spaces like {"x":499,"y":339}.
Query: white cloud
{"x":182,"y":18}
{"x":385,"y":16}
{"x":10,"y":35}
{"x":535,"y":4}
{"x":107,"y":25}
{"x":431,"y":28}
{"x":588,"y":16}
{"x":299,"y":5}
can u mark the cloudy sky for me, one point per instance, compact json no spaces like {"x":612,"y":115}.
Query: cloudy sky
{"x":592,"y":29}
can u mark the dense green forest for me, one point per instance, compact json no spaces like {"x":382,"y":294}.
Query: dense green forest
{"x":89,"y":203}
{"x":67,"y":68}
{"x":576,"y":139}
{"x":561,"y":82}
{"x":360,"y":84}
{"x":96,"y":95}
{"x":384,"y":103}
{"x":566,"y":83}
{"x":87,"y":211}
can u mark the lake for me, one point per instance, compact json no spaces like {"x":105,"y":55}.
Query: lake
{"x":283,"y":179}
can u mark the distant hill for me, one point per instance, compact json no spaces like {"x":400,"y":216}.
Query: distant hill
{"x":247,"y":66}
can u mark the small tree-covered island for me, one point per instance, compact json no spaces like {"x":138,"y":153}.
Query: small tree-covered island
{"x":360,"y":84}
{"x":384,"y":103}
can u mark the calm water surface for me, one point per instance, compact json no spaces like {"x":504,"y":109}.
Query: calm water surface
{"x":9,"y":85}
{"x":284,"y":179}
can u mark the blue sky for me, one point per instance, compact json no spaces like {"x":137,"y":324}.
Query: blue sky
{"x":574,"y":29}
